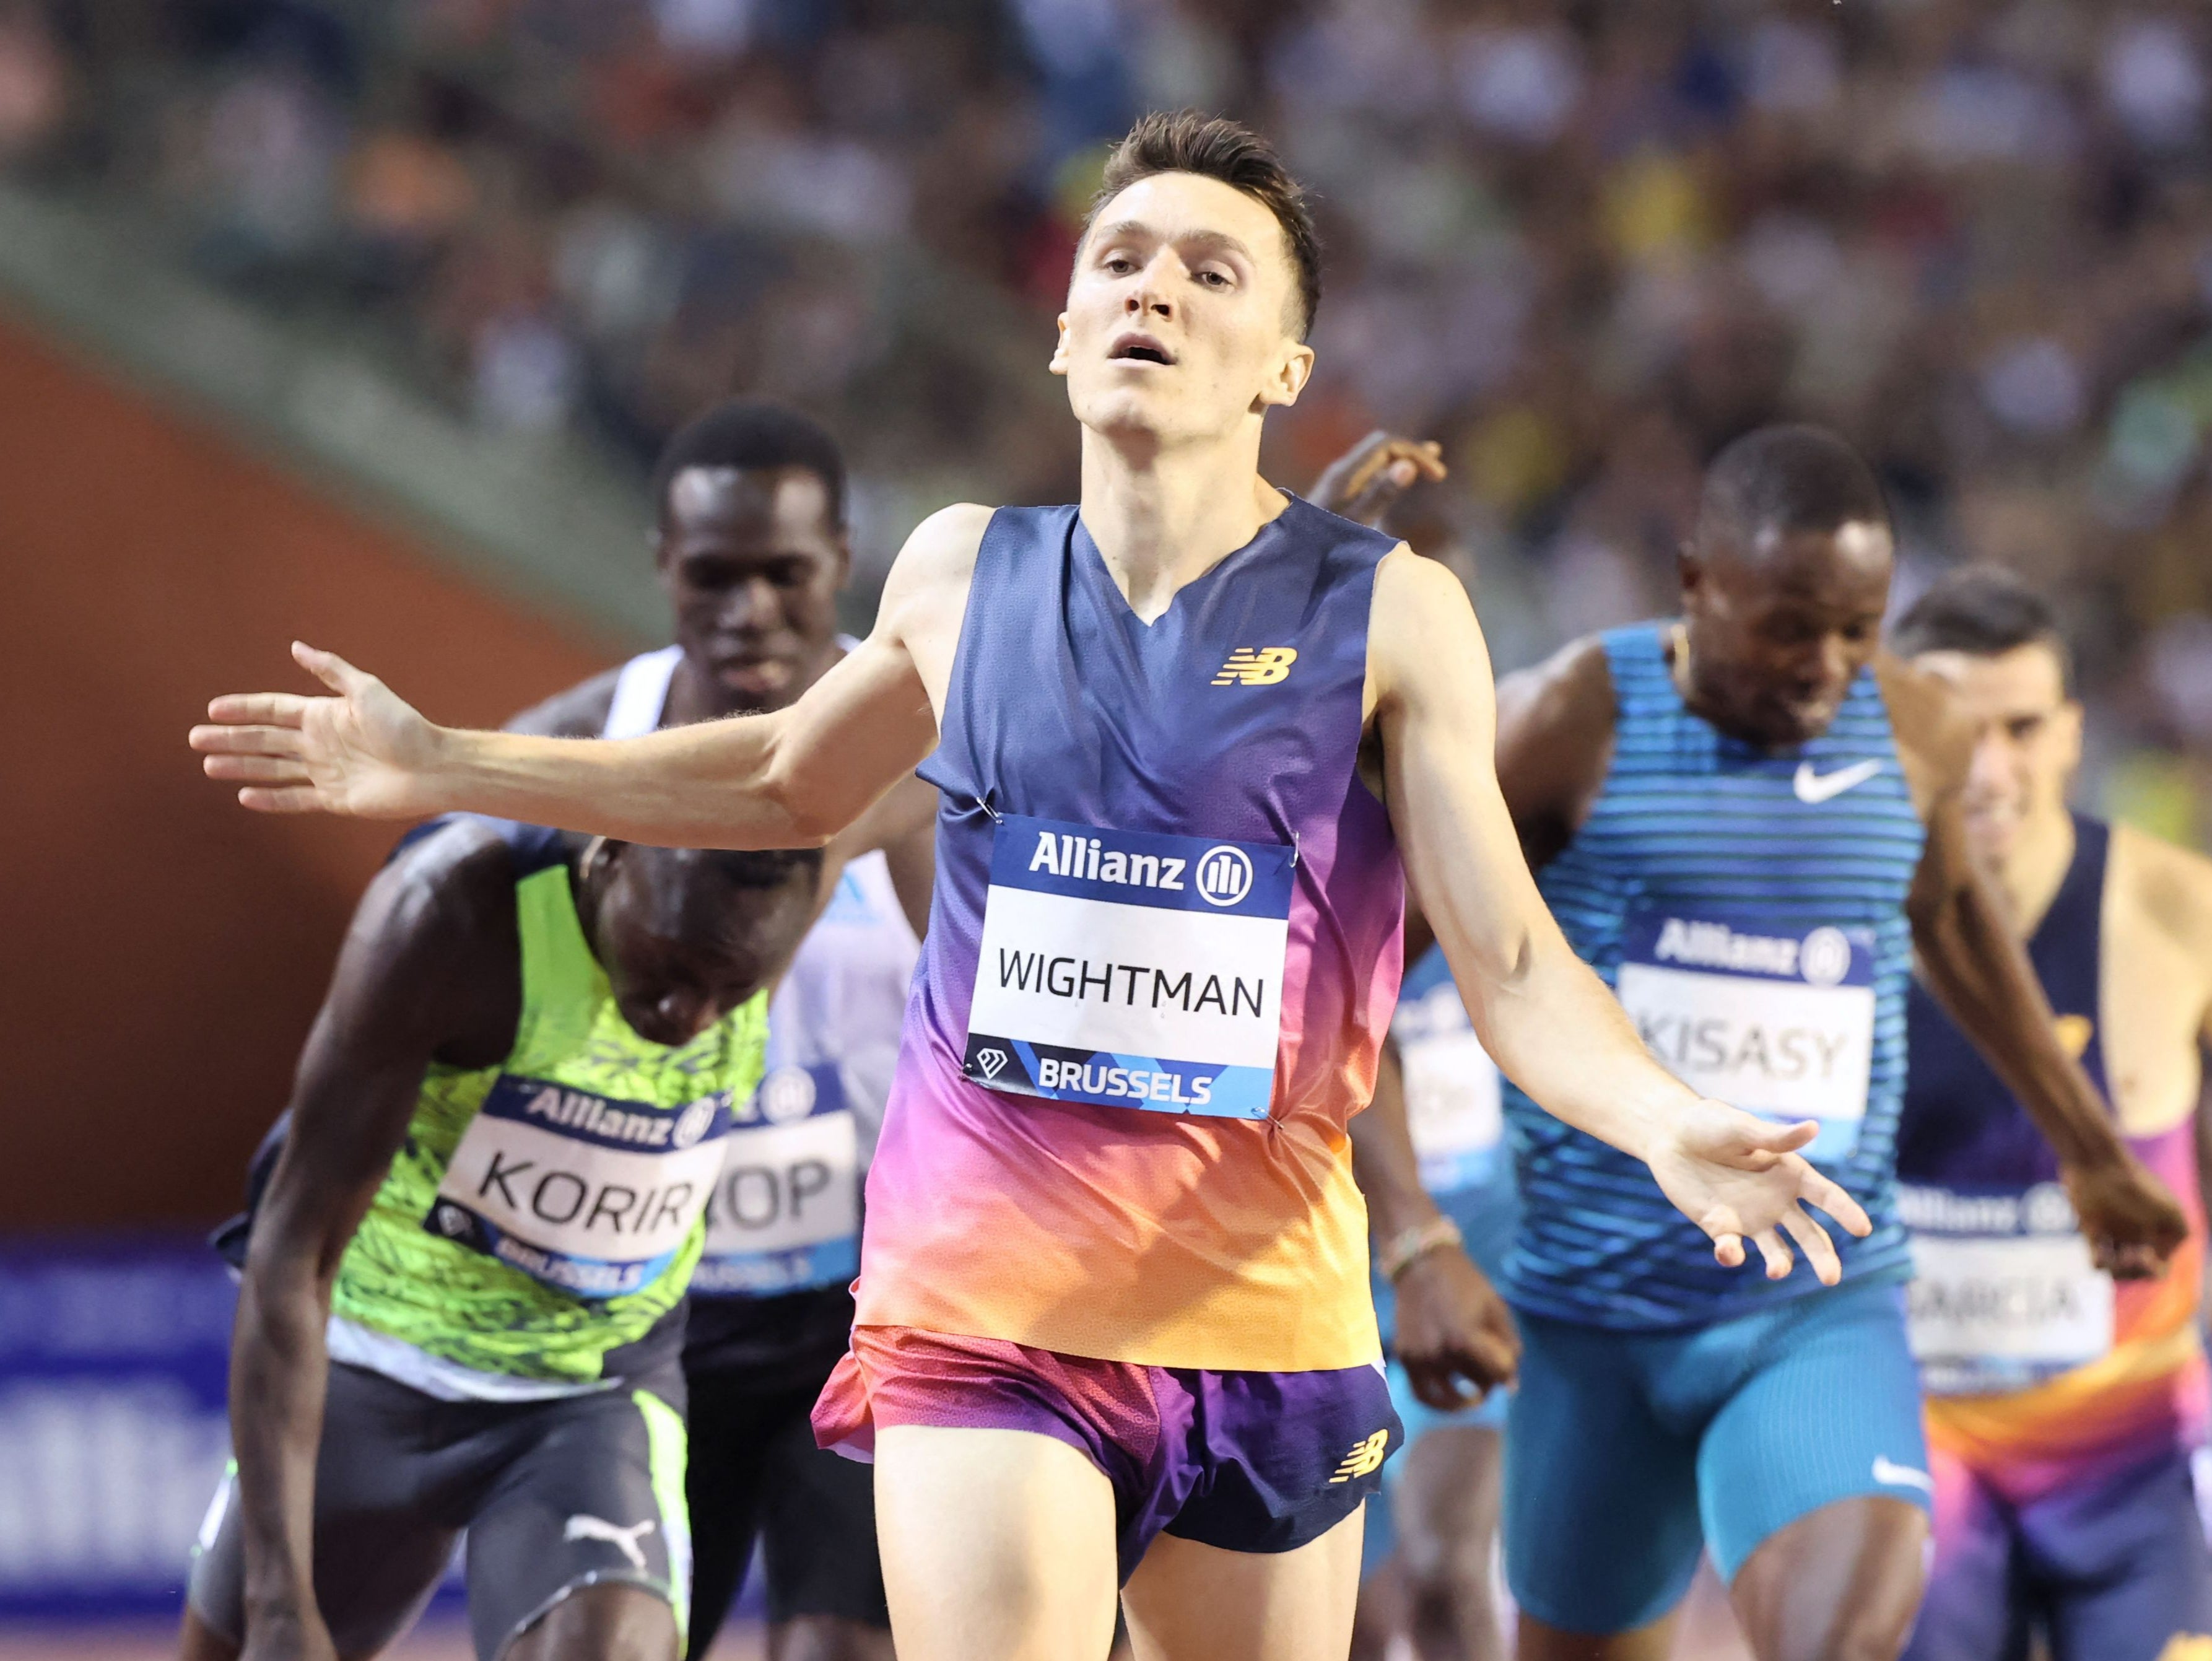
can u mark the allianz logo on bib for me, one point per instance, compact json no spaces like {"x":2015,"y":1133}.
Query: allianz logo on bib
{"x":1223,"y":875}
{"x":577,"y":1109}
{"x":1822,"y":958}
{"x":2043,"y":1209}
{"x":1083,"y":858}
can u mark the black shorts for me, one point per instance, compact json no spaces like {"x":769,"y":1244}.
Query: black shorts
{"x":756,"y":1477}
{"x":554,"y":1495}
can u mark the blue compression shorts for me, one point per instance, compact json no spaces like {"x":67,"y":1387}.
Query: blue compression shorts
{"x":1627,"y":1452}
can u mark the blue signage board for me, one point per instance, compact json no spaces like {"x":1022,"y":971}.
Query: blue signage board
{"x":112,"y":1357}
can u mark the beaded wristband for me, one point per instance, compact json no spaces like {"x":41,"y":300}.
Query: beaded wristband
{"x":1417,"y":1241}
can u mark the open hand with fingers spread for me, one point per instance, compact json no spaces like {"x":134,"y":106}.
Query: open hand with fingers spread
{"x":1739,"y":1177}
{"x":1367,"y":480}
{"x":365,"y":752}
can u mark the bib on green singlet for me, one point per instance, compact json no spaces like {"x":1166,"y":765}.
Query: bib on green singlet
{"x":546,"y":1211}
{"x":595,"y":1195}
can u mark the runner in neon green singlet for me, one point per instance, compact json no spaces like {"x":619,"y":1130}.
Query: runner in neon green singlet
{"x":404,"y":1277}
{"x":462,"y":1305}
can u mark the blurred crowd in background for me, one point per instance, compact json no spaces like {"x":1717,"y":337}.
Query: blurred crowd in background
{"x":1583,"y":244}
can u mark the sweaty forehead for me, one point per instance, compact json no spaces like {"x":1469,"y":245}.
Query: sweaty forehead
{"x":1174,"y":206}
{"x":1847,"y":567}
{"x":748,"y":504}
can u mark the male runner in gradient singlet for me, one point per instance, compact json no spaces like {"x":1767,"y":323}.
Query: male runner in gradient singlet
{"x":1113,"y":1314}
{"x":2063,"y":1411}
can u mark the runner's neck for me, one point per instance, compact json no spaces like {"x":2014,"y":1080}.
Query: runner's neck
{"x":2032,"y":872}
{"x":1164,"y":516}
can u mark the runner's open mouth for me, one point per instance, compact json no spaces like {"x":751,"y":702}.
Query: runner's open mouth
{"x":1140,"y":349}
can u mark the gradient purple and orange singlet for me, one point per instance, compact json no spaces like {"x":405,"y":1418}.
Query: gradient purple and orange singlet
{"x":1163,"y":952}
{"x":2040,"y":1372}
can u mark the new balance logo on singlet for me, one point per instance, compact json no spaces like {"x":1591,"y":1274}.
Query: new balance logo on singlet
{"x":1257,"y":665}
{"x":1365,"y":1459}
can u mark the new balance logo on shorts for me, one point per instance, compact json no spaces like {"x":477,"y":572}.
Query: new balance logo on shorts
{"x":1256,"y":666}
{"x":1365,"y":1459}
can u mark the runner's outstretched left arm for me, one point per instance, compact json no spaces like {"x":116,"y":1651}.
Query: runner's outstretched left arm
{"x":747,"y":782}
{"x":1547,"y":1021}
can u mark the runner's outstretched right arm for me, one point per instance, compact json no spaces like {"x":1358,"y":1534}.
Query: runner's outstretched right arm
{"x":1544,"y":1016}
{"x":419,"y":970}
{"x":789,"y":779}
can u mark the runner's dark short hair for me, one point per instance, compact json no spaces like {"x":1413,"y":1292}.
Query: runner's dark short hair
{"x":748,"y":433}
{"x":1790,"y":478}
{"x":1984,"y":611}
{"x":740,"y":868}
{"x":1214,"y":146}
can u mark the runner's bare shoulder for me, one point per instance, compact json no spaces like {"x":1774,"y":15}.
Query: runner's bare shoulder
{"x":925,"y":598}
{"x":2168,"y":887}
{"x":1555,"y":744}
{"x":433,"y":945}
{"x":939,"y":554}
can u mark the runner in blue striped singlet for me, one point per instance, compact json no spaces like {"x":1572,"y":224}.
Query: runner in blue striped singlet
{"x":1747,"y":823}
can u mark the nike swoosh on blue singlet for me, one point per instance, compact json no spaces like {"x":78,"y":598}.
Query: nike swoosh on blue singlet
{"x":1692,"y":822}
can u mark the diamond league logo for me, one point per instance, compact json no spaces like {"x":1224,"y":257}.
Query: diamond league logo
{"x":1224,"y":874}
{"x":992,"y":1061}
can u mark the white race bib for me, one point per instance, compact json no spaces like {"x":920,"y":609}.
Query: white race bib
{"x":1453,"y":1107}
{"x":1778,"y":1024}
{"x":2005,"y":1293}
{"x":785,"y":1215}
{"x":1131,"y":970}
{"x":590,"y":1193}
